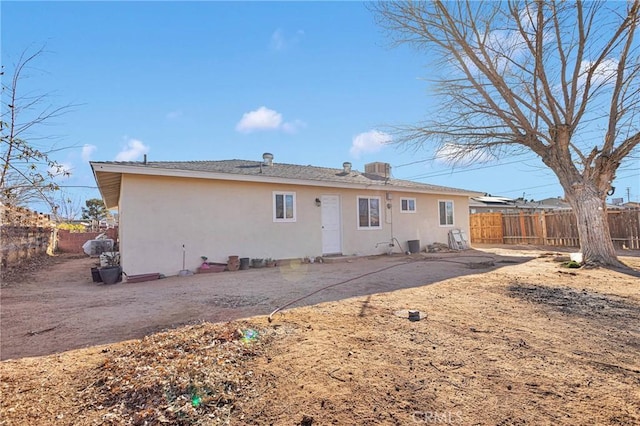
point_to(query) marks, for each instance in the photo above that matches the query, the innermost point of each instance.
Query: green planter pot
(257, 263)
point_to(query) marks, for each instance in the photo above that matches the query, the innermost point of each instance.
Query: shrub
(72, 227)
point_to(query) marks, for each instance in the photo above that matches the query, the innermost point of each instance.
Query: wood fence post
(523, 228)
(635, 244)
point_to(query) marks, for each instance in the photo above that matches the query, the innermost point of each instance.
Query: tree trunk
(593, 227)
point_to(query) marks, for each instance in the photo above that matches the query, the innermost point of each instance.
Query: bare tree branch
(27, 169)
(536, 75)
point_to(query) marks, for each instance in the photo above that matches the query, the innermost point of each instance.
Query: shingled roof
(257, 171)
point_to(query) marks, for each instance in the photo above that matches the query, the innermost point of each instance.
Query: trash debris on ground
(176, 377)
(439, 248)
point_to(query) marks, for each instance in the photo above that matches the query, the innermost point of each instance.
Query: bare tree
(66, 208)
(27, 171)
(560, 79)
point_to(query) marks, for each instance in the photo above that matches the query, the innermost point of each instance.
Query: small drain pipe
(398, 242)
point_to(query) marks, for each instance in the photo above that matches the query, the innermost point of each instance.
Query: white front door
(331, 229)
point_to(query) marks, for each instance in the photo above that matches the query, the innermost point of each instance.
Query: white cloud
(264, 118)
(173, 115)
(134, 150)
(277, 40)
(294, 126)
(62, 170)
(503, 48)
(261, 119)
(605, 72)
(452, 153)
(369, 142)
(280, 41)
(87, 152)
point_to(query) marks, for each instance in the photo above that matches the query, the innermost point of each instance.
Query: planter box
(212, 268)
(142, 277)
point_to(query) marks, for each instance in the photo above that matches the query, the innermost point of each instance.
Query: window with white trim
(284, 206)
(445, 209)
(407, 205)
(369, 213)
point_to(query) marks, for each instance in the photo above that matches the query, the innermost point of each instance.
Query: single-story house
(264, 209)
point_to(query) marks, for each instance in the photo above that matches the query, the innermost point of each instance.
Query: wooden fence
(23, 234)
(550, 228)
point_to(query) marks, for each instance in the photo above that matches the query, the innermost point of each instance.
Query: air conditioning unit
(378, 168)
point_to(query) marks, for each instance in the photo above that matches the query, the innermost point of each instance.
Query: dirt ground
(524, 341)
(59, 307)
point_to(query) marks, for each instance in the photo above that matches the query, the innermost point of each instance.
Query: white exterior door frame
(331, 224)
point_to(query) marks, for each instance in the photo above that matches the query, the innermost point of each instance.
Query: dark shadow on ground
(75, 312)
(629, 270)
(583, 303)
(605, 312)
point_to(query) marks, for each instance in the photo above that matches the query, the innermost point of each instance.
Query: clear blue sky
(312, 83)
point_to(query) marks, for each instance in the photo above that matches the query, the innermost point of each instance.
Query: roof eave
(109, 183)
(120, 169)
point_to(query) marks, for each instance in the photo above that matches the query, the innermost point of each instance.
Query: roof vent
(346, 166)
(268, 158)
(380, 169)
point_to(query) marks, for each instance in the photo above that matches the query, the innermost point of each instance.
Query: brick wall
(23, 234)
(71, 242)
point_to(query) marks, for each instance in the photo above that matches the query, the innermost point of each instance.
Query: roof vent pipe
(346, 166)
(268, 158)
(144, 161)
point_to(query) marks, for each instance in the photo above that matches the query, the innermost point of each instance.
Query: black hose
(329, 286)
(362, 276)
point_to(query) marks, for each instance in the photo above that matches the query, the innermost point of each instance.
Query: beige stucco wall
(222, 218)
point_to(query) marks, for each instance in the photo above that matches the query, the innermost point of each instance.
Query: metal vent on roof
(267, 158)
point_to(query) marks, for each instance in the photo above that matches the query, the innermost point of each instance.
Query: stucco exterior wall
(218, 219)
(422, 225)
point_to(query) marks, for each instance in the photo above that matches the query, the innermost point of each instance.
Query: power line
(429, 175)
(461, 170)
(543, 186)
(523, 189)
(436, 174)
(415, 162)
(440, 157)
